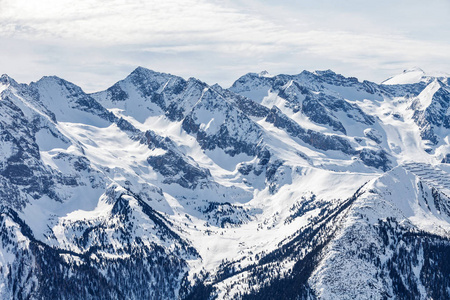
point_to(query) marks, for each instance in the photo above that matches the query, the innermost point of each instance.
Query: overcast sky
(94, 43)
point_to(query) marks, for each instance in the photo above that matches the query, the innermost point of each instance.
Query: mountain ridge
(166, 188)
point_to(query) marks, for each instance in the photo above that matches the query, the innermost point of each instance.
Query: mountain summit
(306, 186)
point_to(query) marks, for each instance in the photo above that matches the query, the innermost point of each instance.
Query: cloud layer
(95, 43)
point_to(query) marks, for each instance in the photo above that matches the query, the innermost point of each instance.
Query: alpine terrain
(307, 186)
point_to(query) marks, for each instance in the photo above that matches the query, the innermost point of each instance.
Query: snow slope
(283, 186)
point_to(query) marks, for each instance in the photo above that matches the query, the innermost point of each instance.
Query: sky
(95, 43)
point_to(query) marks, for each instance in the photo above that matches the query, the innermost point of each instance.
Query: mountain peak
(51, 82)
(5, 79)
(52, 79)
(149, 72)
(264, 74)
(414, 69)
(324, 72)
(143, 71)
(408, 76)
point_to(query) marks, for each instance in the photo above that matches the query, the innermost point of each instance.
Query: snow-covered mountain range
(307, 186)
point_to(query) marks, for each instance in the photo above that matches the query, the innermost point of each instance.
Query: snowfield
(307, 186)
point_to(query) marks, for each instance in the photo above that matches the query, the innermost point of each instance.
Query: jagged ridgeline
(307, 186)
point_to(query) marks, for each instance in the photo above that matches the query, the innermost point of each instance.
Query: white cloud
(94, 43)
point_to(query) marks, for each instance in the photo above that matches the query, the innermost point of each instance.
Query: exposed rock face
(307, 186)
